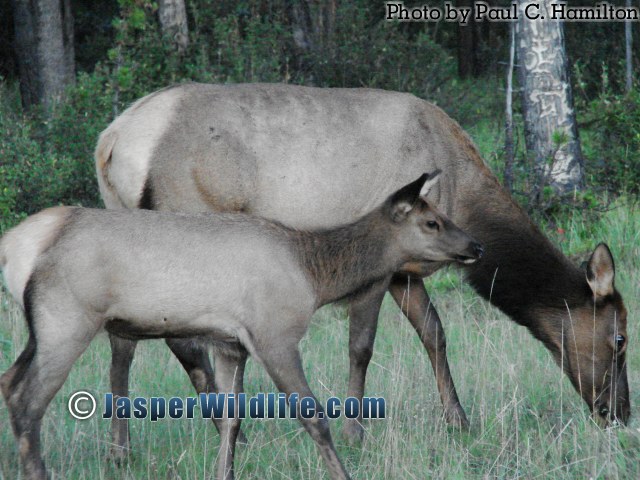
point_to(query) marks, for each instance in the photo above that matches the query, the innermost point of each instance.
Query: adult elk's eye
(620, 341)
(433, 225)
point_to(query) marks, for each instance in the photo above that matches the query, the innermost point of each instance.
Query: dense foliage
(614, 156)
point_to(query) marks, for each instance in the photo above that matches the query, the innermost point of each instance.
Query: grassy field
(526, 419)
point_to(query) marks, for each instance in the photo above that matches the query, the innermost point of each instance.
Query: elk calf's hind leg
(15, 385)
(38, 374)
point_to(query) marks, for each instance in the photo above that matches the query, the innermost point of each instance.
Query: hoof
(119, 455)
(353, 432)
(457, 419)
(35, 470)
(242, 438)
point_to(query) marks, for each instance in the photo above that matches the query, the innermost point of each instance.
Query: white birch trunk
(173, 22)
(547, 100)
(628, 51)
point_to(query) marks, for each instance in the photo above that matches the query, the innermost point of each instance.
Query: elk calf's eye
(604, 411)
(620, 342)
(432, 225)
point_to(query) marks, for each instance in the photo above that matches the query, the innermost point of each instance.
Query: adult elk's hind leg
(410, 294)
(363, 322)
(230, 366)
(194, 358)
(122, 351)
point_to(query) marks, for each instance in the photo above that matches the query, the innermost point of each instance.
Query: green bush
(46, 157)
(613, 155)
(32, 176)
(366, 51)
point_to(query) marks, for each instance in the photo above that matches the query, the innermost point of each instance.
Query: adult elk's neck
(521, 272)
(345, 260)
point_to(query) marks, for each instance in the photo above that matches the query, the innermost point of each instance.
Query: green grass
(526, 419)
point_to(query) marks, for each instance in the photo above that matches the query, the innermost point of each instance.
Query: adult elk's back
(312, 157)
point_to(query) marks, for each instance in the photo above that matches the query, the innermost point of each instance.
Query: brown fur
(529, 279)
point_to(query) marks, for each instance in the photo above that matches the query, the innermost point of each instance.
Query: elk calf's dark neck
(343, 260)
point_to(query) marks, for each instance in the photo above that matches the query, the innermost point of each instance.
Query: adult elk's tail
(102, 156)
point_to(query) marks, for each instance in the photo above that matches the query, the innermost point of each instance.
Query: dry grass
(527, 421)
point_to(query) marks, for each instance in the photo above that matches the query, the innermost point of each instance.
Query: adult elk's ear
(601, 271)
(403, 201)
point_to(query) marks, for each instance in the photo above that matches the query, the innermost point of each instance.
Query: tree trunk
(173, 22)
(467, 44)
(509, 151)
(313, 24)
(629, 52)
(550, 125)
(302, 25)
(44, 49)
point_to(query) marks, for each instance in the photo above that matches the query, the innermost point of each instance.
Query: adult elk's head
(593, 342)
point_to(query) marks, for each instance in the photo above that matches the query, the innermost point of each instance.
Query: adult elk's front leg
(410, 294)
(363, 322)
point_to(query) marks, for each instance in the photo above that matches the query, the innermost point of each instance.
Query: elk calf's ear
(430, 181)
(403, 201)
(601, 271)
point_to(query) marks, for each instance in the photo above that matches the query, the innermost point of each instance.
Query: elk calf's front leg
(285, 368)
(363, 323)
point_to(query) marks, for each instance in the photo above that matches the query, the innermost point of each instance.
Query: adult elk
(244, 283)
(312, 157)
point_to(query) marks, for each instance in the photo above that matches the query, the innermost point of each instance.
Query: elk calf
(246, 282)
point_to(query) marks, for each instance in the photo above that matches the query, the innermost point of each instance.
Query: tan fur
(103, 161)
(21, 246)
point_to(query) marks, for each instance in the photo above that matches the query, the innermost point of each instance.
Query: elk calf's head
(593, 341)
(424, 233)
